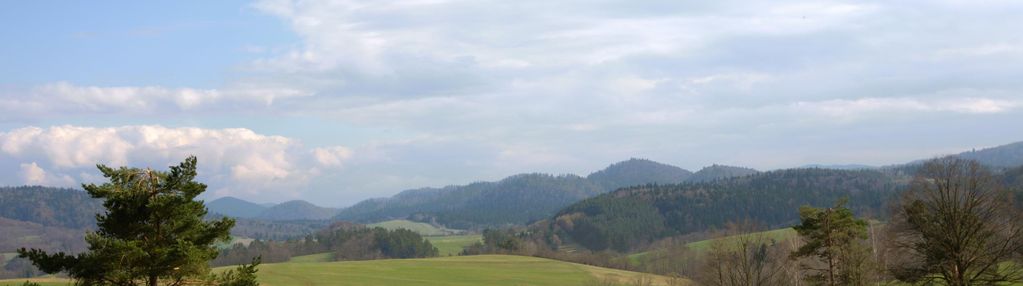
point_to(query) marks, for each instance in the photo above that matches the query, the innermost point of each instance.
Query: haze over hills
(297, 210)
(235, 207)
(522, 198)
(1009, 155)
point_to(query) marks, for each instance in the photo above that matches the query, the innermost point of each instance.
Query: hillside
(717, 172)
(514, 200)
(49, 206)
(235, 207)
(1009, 155)
(518, 199)
(296, 210)
(633, 216)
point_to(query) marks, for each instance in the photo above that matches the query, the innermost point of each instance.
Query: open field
(461, 270)
(319, 257)
(421, 228)
(452, 245)
(775, 234)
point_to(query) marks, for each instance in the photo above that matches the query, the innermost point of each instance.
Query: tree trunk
(152, 280)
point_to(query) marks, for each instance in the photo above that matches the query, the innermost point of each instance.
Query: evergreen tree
(152, 231)
(834, 237)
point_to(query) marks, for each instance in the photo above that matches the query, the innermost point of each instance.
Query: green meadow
(452, 245)
(496, 270)
(421, 228)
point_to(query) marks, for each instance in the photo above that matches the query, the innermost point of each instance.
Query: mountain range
(522, 198)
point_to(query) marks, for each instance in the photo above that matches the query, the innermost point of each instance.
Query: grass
(418, 227)
(234, 240)
(453, 244)
(703, 245)
(494, 270)
(460, 270)
(776, 235)
(319, 257)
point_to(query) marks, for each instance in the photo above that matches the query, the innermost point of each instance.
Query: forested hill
(235, 207)
(716, 172)
(46, 206)
(632, 216)
(297, 210)
(517, 199)
(638, 172)
(1009, 155)
(514, 200)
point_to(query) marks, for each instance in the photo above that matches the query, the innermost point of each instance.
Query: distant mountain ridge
(638, 172)
(235, 207)
(1006, 156)
(522, 198)
(286, 211)
(297, 210)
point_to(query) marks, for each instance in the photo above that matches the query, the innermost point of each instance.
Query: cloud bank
(234, 161)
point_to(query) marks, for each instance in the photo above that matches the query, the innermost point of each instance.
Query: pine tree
(833, 236)
(153, 231)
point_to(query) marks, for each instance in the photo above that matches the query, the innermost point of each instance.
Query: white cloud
(333, 156)
(64, 98)
(32, 174)
(235, 160)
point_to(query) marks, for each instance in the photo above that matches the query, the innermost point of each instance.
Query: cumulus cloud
(235, 161)
(32, 174)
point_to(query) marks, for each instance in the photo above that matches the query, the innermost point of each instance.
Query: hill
(1009, 155)
(49, 206)
(514, 200)
(638, 172)
(296, 210)
(630, 217)
(235, 207)
(717, 172)
(518, 199)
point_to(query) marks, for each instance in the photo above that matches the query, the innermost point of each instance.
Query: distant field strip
(452, 245)
(418, 227)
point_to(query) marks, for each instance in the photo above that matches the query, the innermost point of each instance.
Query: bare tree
(741, 257)
(956, 225)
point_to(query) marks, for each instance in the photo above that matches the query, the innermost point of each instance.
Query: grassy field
(418, 227)
(453, 244)
(235, 240)
(494, 270)
(319, 257)
(460, 270)
(776, 234)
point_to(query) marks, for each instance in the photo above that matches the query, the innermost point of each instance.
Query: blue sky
(337, 101)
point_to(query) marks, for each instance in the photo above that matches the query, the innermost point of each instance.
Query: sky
(339, 101)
